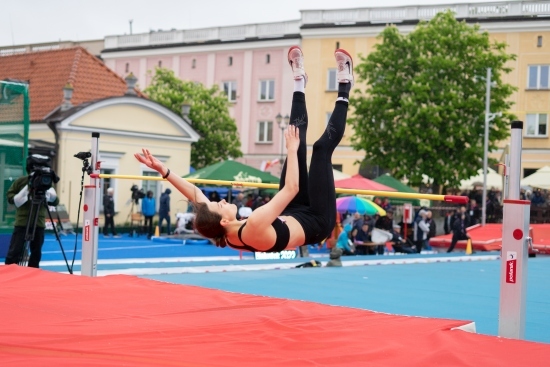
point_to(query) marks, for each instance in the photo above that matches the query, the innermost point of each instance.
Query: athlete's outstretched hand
(292, 137)
(150, 161)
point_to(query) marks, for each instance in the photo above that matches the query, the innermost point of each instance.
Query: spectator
(239, 202)
(164, 210)
(344, 240)
(386, 223)
(356, 224)
(448, 221)
(537, 199)
(362, 236)
(386, 204)
(474, 212)
(148, 209)
(421, 230)
(109, 212)
(433, 229)
(214, 196)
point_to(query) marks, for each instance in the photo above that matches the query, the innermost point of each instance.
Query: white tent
(540, 179)
(494, 179)
(339, 175)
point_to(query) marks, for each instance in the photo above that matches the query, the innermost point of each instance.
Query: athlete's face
(223, 208)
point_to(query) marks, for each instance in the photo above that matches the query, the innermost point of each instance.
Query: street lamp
(488, 118)
(283, 123)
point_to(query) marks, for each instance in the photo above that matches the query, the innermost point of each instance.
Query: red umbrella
(361, 183)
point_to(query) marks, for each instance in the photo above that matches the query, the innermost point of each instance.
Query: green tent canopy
(233, 171)
(390, 181)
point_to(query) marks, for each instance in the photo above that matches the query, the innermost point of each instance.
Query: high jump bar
(237, 184)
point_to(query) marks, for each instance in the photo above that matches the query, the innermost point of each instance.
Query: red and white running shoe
(344, 62)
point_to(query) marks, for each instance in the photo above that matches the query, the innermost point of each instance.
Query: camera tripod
(36, 203)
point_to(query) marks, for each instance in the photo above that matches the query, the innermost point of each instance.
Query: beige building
(523, 25)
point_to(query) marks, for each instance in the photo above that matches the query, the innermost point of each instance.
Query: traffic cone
(469, 246)
(157, 232)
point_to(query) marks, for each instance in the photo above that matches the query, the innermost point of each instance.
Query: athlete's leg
(298, 117)
(321, 188)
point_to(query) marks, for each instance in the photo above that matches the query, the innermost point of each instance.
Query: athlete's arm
(191, 192)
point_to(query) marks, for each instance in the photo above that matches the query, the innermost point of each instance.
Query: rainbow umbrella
(354, 204)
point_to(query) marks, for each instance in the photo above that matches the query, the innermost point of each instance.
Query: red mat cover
(51, 319)
(484, 238)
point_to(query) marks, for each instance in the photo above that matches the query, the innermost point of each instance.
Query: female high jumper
(304, 210)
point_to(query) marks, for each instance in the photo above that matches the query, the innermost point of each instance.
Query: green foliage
(209, 114)
(423, 108)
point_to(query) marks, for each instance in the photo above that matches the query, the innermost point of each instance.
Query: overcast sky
(36, 21)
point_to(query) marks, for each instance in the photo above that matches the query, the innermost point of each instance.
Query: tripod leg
(30, 231)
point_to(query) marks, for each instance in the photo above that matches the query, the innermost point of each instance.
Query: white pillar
(90, 227)
(515, 247)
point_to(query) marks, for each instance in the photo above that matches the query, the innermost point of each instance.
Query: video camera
(137, 193)
(41, 176)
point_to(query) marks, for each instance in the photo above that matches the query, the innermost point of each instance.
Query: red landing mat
(51, 319)
(486, 238)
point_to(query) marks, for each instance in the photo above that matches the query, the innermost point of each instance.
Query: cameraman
(19, 195)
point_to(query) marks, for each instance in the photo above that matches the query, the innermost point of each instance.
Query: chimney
(67, 96)
(185, 108)
(131, 81)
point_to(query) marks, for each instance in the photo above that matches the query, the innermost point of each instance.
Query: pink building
(249, 62)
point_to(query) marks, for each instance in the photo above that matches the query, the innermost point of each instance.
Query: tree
(209, 113)
(423, 108)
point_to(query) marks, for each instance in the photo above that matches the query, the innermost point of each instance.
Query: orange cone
(469, 246)
(157, 232)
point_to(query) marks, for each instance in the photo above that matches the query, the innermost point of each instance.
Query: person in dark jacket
(18, 194)
(164, 210)
(459, 230)
(148, 209)
(109, 212)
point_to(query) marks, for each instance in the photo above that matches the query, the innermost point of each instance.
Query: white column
(515, 248)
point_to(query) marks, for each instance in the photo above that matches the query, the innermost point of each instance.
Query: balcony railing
(242, 32)
(407, 13)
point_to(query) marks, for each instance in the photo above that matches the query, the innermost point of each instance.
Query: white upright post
(515, 247)
(90, 228)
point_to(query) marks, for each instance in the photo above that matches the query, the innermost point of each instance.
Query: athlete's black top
(281, 231)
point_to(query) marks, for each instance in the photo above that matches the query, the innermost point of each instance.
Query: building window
(160, 63)
(267, 58)
(193, 64)
(539, 41)
(230, 90)
(230, 60)
(267, 90)
(127, 68)
(538, 77)
(332, 85)
(537, 124)
(265, 132)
